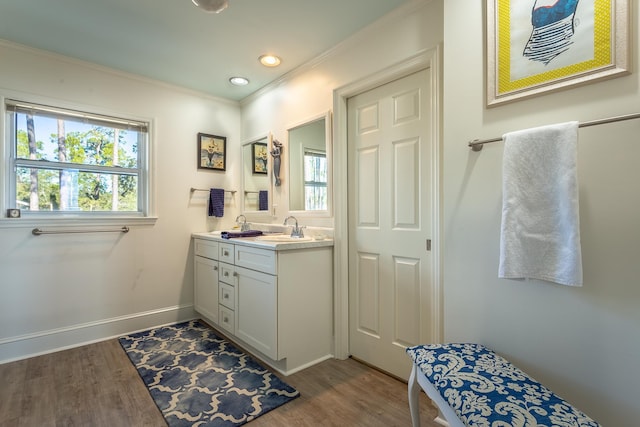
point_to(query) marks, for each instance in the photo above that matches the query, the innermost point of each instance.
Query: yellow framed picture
(537, 46)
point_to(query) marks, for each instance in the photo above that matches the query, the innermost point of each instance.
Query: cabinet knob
(226, 296)
(226, 274)
(226, 320)
(226, 253)
(215, 268)
(235, 274)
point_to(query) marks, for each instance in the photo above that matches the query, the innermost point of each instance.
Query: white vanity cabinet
(275, 300)
(205, 298)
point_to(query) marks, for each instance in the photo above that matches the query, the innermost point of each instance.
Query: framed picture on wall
(212, 152)
(259, 156)
(537, 46)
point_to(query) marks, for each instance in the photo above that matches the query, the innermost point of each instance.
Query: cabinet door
(256, 315)
(205, 298)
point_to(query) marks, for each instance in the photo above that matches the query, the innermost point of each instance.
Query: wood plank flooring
(96, 385)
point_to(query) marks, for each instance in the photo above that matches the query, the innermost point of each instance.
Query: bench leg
(414, 395)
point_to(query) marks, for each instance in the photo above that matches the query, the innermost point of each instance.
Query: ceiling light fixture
(211, 6)
(269, 60)
(239, 81)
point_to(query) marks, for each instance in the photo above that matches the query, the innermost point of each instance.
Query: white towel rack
(39, 231)
(193, 190)
(477, 144)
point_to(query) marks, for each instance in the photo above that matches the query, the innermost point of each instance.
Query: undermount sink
(282, 238)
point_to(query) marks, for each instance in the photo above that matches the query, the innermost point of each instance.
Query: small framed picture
(212, 152)
(259, 155)
(540, 46)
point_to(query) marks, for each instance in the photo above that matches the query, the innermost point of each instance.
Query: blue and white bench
(473, 386)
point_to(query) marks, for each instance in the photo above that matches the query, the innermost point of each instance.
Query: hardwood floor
(96, 385)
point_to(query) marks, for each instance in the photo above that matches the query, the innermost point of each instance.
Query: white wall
(584, 343)
(307, 93)
(62, 290)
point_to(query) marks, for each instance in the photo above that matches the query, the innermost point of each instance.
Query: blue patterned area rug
(199, 379)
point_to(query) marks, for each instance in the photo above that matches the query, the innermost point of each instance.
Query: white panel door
(390, 220)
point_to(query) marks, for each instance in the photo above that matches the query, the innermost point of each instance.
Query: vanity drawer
(256, 259)
(227, 296)
(226, 253)
(227, 273)
(205, 248)
(227, 319)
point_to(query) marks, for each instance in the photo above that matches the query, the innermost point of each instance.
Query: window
(63, 161)
(315, 180)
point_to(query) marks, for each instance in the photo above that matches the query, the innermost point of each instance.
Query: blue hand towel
(216, 202)
(232, 234)
(263, 200)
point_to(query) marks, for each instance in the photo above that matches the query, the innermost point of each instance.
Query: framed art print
(212, 152)
(259, 157)
(537, 46)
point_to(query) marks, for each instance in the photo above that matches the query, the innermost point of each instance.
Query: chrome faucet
(296, 231)
(243, 225)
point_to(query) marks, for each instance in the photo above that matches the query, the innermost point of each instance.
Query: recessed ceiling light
(269, 60)
(239, 81)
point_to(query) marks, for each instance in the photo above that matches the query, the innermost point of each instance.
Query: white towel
(540, 233)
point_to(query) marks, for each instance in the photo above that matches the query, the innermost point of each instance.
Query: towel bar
(477, 144)
(39, 231)
(193, 190)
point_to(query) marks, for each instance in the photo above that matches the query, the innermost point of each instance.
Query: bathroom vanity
(272, 297)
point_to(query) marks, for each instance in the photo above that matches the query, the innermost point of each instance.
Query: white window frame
(146, 203)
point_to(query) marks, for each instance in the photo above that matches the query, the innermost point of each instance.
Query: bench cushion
(486, 390)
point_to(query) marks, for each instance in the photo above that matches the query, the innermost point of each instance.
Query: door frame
(425, 59)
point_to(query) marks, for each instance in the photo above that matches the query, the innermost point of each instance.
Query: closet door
(390, 220)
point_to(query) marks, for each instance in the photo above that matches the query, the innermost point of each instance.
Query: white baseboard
(307, 365)
(52, 340)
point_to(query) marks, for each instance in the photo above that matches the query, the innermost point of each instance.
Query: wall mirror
(256, 175)
(309, 146)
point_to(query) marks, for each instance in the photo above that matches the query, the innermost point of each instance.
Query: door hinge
(428, 244)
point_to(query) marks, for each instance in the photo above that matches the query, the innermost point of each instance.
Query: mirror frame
(328, 136)
(269, 137)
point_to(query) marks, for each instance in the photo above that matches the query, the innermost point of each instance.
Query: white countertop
(265, 244)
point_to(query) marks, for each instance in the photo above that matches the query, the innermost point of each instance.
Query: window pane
(315, 198)
(315, 181)
(68, 140)
(73, 191)
(315, 168)
(72, 161)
